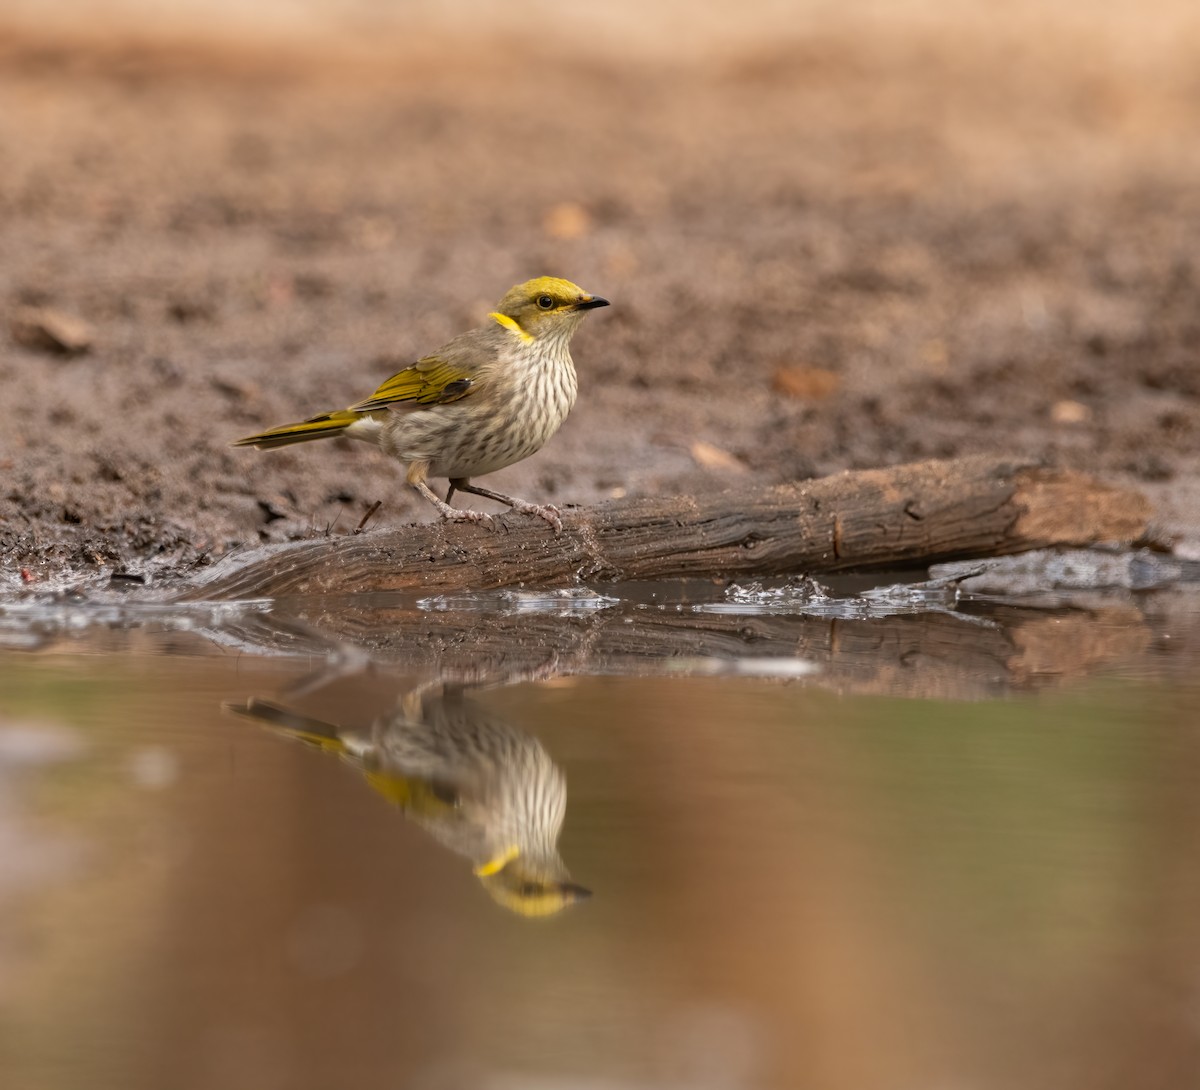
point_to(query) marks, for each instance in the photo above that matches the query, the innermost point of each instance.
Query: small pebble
(1070, 412)
(48, 330)
(805, 383)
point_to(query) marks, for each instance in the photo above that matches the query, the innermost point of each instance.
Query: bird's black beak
(592, 303)
(575, 893)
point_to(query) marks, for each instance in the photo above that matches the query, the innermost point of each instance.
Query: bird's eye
(545, 302)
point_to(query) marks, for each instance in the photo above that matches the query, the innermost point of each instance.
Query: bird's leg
(450, 492)
(542, 510)
(454, 514)
(416, 477)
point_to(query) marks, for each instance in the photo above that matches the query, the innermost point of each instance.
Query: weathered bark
(906, 515)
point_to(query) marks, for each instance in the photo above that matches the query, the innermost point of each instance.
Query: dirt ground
(834, 249)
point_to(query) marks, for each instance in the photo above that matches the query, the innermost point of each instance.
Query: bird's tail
(423, 797)
(325, 426)
(304, 728)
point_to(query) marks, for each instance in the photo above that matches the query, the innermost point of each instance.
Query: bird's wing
(430, 381)
(450, 373)
(422, 797)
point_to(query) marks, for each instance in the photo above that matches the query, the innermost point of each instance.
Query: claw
(480, 518)
(545, 511)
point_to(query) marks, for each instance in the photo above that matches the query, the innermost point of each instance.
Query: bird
(479, 786)
(488, 398)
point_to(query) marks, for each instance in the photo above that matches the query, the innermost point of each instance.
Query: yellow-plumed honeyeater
(490, 397)
(476, 784)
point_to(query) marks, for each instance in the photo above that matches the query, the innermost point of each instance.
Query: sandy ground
(827, 246)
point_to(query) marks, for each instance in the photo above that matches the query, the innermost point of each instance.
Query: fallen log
(866, 519)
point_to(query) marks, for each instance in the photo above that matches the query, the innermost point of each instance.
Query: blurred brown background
(834, 235)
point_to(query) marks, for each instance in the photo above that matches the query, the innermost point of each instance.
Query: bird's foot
(452, 514)
(543, 511)
(480, 518)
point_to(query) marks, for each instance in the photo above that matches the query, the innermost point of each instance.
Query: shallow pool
(913, 849)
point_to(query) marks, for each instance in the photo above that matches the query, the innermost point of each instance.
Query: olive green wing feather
(454, 371)
(430, 381)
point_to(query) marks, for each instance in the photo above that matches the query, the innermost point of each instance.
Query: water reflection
(478, 785)
(993, 895)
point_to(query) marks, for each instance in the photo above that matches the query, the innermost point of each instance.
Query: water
(923, 849)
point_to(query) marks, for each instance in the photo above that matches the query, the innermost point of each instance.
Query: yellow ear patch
(511, 325)
(499, 862)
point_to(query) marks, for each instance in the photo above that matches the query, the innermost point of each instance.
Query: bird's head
(532, 887)
(545, 306)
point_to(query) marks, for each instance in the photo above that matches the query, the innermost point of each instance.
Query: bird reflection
(476, 784)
